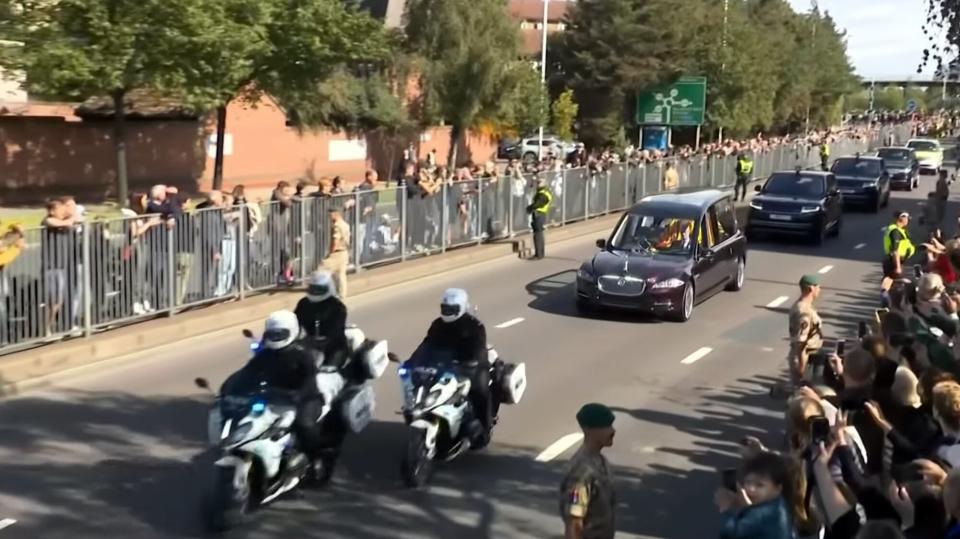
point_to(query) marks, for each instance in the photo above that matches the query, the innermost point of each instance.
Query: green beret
(810, 280)
(594, 416)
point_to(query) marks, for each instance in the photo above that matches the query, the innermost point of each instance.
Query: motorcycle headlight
(756, 205)
(585, 274)
(670, 283)
(431, 398)
(238, 434)
(809, 209)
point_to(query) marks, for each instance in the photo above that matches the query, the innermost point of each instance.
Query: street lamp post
(543, 69)
(723, 51)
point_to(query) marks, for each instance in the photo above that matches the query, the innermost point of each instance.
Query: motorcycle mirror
(201, 383)
(247, 333)
(393, 357)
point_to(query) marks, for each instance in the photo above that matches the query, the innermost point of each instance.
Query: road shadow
(96, 464)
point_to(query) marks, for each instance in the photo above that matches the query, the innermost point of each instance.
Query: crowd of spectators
(871, 446)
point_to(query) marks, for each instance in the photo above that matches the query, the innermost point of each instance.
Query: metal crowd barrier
(110, 272)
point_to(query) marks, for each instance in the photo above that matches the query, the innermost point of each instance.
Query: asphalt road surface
(122, 453)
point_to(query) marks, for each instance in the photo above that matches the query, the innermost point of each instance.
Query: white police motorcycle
(438, 412)
(251, 424)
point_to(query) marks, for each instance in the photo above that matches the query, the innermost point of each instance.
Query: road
(121, 453)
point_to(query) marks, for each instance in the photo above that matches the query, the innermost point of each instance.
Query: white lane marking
(696, 356)
(825, 269)
(860, 246)
(557, 448)
(509, 323)
(7, 522)
(767, 349)
(778, 302)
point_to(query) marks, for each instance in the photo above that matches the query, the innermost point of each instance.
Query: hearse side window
(726, 219)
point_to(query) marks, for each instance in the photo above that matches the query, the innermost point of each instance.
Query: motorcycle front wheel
(416, 466)
(230, 504)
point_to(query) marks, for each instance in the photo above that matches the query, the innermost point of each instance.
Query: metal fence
(76, 280)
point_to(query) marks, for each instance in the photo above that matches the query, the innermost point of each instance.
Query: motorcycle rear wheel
(416, 466)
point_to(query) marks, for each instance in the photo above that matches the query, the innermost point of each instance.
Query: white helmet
(321, 286)
(454, 304)
(280, 330)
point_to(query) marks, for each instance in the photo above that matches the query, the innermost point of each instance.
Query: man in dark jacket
(462, 334)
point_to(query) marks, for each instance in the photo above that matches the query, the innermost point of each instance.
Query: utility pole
(543, 69)
(723, 51)
(814, 15)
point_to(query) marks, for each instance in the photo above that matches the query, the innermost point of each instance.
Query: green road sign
(680, 103)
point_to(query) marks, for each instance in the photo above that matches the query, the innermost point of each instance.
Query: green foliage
(564, 114)
(612, 48)
(350, 103)
(524, 106)
(766, 68)
(889, 98)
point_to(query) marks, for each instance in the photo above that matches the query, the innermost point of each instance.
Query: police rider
(284, 363)
(463, 334)
(324, 318)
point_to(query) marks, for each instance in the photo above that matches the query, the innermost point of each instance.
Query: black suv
(902, 165)
(800, 203)
(863, 181)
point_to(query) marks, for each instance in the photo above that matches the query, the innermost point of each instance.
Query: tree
(294, 51)
(613, 49)
(467, 49)
(81, 48)
(942, 28)
(889, 98)
(564, 114)
(525, 104)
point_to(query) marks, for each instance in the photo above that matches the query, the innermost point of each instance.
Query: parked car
(665, 254)
(929, 153)
(799, 203)
(902, 165)
(530, 147)
(863, 181)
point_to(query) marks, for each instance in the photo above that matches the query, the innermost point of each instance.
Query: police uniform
(339, 257)
(806, 336)
(896, 240)
(744, 170)
(587, 492)
(824, 155)
(539, 210)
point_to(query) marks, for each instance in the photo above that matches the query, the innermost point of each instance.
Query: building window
(561, 26)
(524, 25)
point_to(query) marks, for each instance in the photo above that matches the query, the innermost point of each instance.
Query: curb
(42, 366)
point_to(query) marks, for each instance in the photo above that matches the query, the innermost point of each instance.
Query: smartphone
(861, 330)
(728, 479)
(881, 314)
(819, 430)
(917, 271)
(841, 347)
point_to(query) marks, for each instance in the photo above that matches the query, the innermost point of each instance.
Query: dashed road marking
(767, 349)
(825, 269)
(777, 302)
(509, 323)
(860, 246)
(557, 448)
(7, 522)
(696, 356)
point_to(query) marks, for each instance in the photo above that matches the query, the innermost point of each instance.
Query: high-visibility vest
(746, 166)
(905, 248)
(824, 150)
(546, 207)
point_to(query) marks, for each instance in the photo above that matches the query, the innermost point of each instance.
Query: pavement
(121, 452)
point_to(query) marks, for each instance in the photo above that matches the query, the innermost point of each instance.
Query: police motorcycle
(251, 424)
(437, 410)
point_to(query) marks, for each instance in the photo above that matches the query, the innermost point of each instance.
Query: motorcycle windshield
(428, 363)
(245, 387)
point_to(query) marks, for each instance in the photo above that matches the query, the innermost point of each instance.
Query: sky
(884, 37)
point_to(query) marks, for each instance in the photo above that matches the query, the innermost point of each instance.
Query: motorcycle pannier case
(374, 357)
(513, 383)
(357, 405)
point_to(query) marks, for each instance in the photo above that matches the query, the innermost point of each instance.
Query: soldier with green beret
(587, 498)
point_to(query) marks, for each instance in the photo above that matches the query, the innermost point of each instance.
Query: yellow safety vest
(824, 150)
(746, 166)
(905, 248)
(546, 207)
